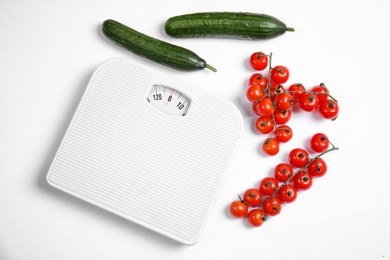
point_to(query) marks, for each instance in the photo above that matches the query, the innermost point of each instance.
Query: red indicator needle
(170, 97)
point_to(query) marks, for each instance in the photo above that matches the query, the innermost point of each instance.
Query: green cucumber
(153, 49)
(236, 25)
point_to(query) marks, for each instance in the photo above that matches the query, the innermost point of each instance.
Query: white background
(48, 51)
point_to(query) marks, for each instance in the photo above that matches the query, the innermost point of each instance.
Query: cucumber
(236, 25)
(153, 49)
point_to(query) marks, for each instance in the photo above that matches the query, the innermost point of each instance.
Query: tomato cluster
(272, 101)
(258, 204)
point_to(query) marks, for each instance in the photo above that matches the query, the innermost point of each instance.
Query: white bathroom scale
(148, 147)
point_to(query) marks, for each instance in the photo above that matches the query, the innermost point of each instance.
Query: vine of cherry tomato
(289, 178)
(272, 100)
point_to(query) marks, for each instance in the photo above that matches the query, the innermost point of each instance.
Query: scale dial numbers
(168, 100)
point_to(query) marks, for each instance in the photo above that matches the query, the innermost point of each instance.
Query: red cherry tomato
(238, 209)
(287, 193)
(254, 93)
(258, 79)
(283, 172)
(329, 109)
(271, 146)
(317, 167)
(281, 117)
(319, 142)
(253, 197)
(268, 185)
(273, 206)
(296, 90)
(283, 133)
(298, 157)
(258, 61)
(308, 102)
(275, 90)
(319, 89)
(265, 125)
(303, 180)
(283, 101)
(264, 107)
(256, 217)
(279, 74)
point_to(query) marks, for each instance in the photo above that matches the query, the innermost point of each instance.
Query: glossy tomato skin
(275, 90)
(283, 171)
(319, 142)
(282, 117)
(258, 61)
(268, 185)
(265, 125)
(238, 209)
(258, 79)
(256, 217)
(329, 109)
(279, 74)
(287, 193)
(283, 101)
(303, 180)
(271, 146)
(264, 107)
(317, 167)
(273, 206)
(253, 197)
(298, 157)
(254, 93)
(308, 102)
(296, 90)
(283, 133)
(321, 92)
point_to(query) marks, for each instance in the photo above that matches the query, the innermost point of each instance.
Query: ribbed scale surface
(162, 172)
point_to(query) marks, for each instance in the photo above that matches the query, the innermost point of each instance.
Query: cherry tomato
(273, 206)
(283, 172)
(283, 133)
(258, 79)
(329, 109)
(265, 125)
(279, 74)
(268, 185)
(283, 101)
(321, 89)
(238, 209)
(271, 146)
(319, 142)
(258, 61)
(298, 157)
(281, 117)
(256, 217)
(264, 107)
(317, 167)
(275, 90)
(303, 180)
(296, 90)
(254, 93)
(253, 197)
(308, 102)
(287, 193)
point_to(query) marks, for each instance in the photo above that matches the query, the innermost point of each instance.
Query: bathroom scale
(148, 147)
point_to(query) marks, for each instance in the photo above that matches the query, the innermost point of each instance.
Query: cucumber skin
(153, 49)
(235, 25)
